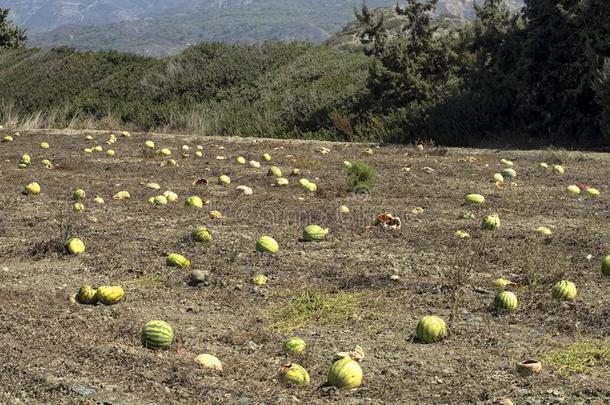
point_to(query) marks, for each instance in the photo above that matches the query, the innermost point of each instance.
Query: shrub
(361, 178)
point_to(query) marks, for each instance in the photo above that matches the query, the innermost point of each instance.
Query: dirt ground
(53, 351)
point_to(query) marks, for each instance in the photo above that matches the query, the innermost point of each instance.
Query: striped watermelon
(267, 244)
(157, 335)
(177, 260)
(294, 374)
(431, 329)
(491, 222)
(274, 171)
(474, 199)
(159, 200)
(224, 180)
(110, 295)
(201, 234)
(564, 290)
(79, 194)
(506, 300)
(345, 373)
(314, 233)
(32, 188)
(194, 201)
(86, 295)
(294, 346)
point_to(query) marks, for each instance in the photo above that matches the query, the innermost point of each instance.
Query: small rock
(245, 190)
(252, 346)
(200, 276)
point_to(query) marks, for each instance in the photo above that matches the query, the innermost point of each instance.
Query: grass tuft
(585, 356)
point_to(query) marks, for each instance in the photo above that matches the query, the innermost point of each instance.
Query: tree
(11, 36)
(541, 72)
(560, 102)
(493, 79)
(594, 16)
(413, 67)
(535, 71)
(372, 34)
(602, 91)
(595, 35)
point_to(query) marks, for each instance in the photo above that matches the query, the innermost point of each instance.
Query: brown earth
(382, 282)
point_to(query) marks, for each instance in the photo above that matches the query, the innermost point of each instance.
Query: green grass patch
(585, 356)
(313, 306)
(149, 281)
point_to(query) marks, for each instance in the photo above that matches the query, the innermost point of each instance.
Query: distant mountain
(232, 21)
(157, 27)
(45, 15)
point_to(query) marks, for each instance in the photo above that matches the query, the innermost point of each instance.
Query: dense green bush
(361, 178)
(273, 89)
(296, 99)
(77, 83)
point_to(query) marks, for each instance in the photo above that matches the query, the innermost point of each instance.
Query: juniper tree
(413, 67)
(372, 34)
(558, 72)
(11, 36)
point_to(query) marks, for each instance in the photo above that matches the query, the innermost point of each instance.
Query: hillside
(153, 28)
(274, 90)
(43, 15)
